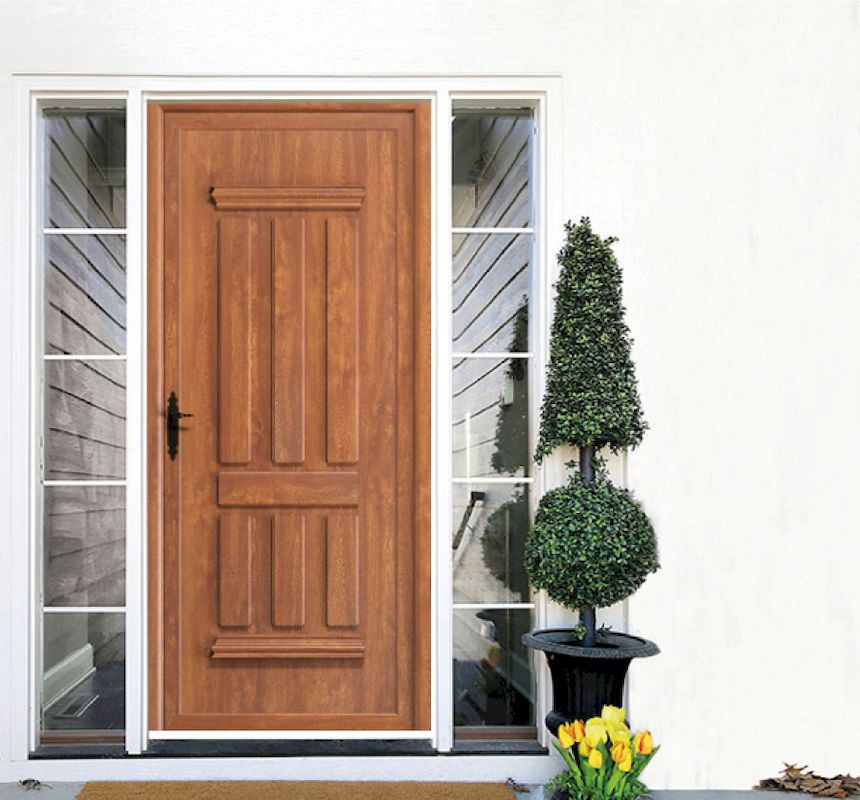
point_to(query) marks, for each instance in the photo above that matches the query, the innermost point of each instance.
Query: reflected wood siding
(490, 279)
(85, 313)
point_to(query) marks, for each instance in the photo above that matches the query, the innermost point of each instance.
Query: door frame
(542, 91)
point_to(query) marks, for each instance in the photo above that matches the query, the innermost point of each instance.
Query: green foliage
(590, 545)
(567, 783)
(591, 393)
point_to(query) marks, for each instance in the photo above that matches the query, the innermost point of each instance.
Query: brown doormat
(292, 790)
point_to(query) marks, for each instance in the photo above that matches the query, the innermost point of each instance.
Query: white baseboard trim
(65, 675)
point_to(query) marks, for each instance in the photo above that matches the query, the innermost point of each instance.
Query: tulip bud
(595, 759)
(612, 715)
(618, 731)
(619, 751)
(595, 731)
(566, 735)
(643, 743)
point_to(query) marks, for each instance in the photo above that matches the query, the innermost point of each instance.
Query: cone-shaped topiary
(591, 395)
(591, 545)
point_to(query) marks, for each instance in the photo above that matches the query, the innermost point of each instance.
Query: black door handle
(173, 417)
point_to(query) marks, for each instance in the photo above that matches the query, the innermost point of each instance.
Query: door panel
(289, 311)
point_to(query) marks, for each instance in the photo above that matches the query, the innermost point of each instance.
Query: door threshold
(285, 735)
(243, 748)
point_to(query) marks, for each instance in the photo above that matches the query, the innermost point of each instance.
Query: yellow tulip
(566, 735)
(578, 730)
(627, 763)
(612, 715)
(618, 731)
(643, 743)
(595, 731)
(595, 759)
(584, 748)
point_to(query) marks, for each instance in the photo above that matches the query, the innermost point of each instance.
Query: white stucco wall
(721, 142)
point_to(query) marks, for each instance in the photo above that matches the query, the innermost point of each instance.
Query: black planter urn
(584, 679)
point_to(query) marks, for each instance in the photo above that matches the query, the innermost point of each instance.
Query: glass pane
(84, 420)
(84, 546)
(492, 278)
(85, 310)
(491, 416)
(83, 684)
(85, 169)
(491, 170)
(490, 525)
(493, 682)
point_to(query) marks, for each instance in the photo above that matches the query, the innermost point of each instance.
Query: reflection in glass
(492, 277)
(84, 546)
(493, 682)
(85, 168)
(491, 169)
(490, 426)
(84, 420)
(490, 524)
(85, 303)
(83, 683)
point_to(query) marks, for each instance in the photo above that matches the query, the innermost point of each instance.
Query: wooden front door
(289, 310)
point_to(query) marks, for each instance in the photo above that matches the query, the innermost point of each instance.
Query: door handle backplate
(174, 415)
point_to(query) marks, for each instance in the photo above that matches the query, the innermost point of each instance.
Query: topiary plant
(591, 395)
(591, 545)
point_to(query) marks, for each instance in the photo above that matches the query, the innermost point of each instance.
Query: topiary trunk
(587, 615)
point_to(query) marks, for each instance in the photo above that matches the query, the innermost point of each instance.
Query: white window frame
(25, 364)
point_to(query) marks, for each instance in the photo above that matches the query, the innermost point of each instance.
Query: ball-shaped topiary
(591, 393)
(590, 546)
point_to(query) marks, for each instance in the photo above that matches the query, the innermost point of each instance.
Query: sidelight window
(492, 273)
(83, 432)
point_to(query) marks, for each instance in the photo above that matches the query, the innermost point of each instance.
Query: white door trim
(19, 673)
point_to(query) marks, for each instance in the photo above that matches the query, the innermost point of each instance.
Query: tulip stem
(587, 615)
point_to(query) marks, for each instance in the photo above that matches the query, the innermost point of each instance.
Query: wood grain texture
(288, 571)
(290, 647)
(235, 258)
(342, 570)
(288, 489)
(288, 198)
(341, 341)
(419, 351)
(288, 340)
(366, 610)
(234, 570)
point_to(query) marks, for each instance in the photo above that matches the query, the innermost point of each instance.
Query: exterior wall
(719, 141)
